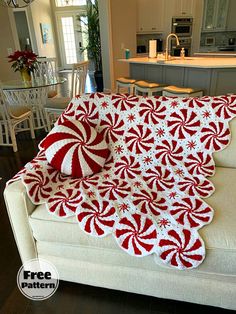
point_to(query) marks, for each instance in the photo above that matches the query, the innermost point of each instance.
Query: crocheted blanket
(149, 196)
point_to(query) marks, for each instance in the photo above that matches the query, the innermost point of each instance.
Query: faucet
(167, 56)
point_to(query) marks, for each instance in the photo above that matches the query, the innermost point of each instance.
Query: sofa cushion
(226, 157)
(219, 236)
(17, 111)
(58, 102)
(75, 148)
(52, 93)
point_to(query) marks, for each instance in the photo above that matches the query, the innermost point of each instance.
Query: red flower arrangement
(23, 60)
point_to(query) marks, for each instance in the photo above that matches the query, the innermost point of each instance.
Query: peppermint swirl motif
(182, 249)
(184, 123)
(76, 149)
(139, 139)
(149, 202)
(87, 112)
(192, 213)
(169, 152)
(96, 218)
(38, 185)
(65, 203)
(152, 111)
(127, 167)
(136, 234)
(112, 127)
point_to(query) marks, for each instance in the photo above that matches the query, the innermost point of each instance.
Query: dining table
(32, 94)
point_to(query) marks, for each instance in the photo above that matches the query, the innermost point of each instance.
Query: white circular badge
(38, 279)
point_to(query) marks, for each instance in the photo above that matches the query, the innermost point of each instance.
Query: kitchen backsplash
(221, 39)
(143, 39)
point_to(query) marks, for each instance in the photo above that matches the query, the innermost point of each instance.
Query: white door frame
(30, 26)
(59, 15)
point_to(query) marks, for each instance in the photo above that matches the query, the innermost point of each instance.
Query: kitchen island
(215, 76)
(217, 54)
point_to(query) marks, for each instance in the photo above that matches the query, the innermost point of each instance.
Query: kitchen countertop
(216, 54)
(194, 62)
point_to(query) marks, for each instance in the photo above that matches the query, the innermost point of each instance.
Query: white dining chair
(33, 99)
(55, 106)
(79, 74)
(47, 69)
(12, 118)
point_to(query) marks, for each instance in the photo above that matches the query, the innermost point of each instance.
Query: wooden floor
(70, 297)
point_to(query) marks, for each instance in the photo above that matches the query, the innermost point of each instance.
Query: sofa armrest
(19, 208)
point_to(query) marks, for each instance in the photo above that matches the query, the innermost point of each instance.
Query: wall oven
(182, 26)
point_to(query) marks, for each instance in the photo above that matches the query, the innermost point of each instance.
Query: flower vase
(25, 75)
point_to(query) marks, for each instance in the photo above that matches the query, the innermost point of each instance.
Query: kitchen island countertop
(194, 62)
(223, 54)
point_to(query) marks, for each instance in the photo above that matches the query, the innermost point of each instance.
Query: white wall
(231, 21)
(106, 42)
(123, 23)
(41, 12)
(7, 41)
(118, 32)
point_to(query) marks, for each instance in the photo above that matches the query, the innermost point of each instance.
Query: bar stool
(181, 91)
(125, 82)
(147, 87)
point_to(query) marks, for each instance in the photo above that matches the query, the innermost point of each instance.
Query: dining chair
(33, 99)
(55, 106)
(11, 122)
(47, 68)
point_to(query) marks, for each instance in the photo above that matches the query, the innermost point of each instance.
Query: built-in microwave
(182, 26)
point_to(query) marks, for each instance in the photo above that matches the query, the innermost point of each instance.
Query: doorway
(23, 30)
(71, 38)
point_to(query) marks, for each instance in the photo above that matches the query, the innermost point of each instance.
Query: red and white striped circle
(97, 218)
(65, 203)
(75, 148)
(136, 234)
(182, 249)
(191, 213)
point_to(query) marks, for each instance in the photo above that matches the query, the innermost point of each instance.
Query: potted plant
(24, 62)
(90, 20)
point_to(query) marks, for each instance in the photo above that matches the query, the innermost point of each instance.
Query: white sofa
(100, 262)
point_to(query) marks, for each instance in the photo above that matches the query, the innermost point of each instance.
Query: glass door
(71, 39)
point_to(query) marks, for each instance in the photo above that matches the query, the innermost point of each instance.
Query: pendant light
(16, 3)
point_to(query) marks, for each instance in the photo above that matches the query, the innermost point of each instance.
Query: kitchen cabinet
(150, 16)
(183, 8)
(231, 20)
(156, 15)
(178, 8)
(215, 15)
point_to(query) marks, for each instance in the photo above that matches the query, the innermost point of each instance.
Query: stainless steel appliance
(184, 42)
(182, 26)
(229, 48)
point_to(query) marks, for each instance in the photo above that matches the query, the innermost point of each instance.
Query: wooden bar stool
(147, 87)
(125, 82)
(181, 91)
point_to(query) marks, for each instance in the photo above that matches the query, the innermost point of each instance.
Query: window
(64, 3)
(69, 39)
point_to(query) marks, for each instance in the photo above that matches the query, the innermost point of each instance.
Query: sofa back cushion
(227, 157)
